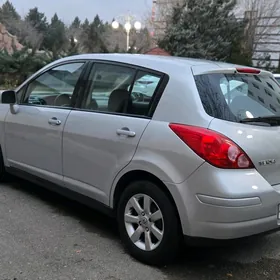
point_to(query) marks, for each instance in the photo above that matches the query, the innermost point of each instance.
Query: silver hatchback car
(197, 155)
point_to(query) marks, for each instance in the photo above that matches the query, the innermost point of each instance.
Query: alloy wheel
(144, 222)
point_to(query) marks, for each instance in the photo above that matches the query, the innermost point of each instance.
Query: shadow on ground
(90, 219)
(245, 259)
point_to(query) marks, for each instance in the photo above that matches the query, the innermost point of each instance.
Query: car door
(33, 132)
(101, 137)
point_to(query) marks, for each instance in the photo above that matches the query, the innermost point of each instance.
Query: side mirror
(8, 97)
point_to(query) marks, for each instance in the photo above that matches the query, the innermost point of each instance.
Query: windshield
(234, 97)
(277, 79)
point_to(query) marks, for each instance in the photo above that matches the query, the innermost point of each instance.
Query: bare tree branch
(27, 34)
(263, 20)
(162, 11)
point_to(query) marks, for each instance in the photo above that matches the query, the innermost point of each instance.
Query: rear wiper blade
(271, 120)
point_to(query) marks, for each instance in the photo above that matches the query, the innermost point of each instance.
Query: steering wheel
(42, 101)
(62, 100)
(38, 101)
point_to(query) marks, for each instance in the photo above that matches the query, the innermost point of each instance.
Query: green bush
(16, 67)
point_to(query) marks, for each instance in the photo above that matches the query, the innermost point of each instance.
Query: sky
(68, 9)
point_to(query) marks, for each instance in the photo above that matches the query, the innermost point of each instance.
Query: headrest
(117, 100)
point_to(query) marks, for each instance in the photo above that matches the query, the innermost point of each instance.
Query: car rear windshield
(234, 97)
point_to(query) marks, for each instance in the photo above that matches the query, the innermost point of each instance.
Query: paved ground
(44, 236)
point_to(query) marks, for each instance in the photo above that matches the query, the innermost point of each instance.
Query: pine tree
(9, 17)
(8, 12)
(56, 39)
(76, 23)
(37, 20)
(202, 29)
(20, 64)
(85, 24)
(97, 21)
(93, 36)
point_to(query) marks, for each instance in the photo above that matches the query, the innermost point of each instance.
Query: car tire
(163, 236)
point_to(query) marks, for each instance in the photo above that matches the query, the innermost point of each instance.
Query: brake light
(213, 147)
(248, 70)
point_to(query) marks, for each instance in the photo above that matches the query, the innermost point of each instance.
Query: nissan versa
(193, 153)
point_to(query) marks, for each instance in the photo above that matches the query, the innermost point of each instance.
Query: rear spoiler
(231, 70)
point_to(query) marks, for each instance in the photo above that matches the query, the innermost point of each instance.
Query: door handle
(54, 121)
(125, 131)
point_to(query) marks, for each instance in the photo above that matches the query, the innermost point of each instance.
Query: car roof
(140, 58)
(167, 64)
(276, 75)
(170, 65)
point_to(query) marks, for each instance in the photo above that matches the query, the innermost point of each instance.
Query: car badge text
(267, 162)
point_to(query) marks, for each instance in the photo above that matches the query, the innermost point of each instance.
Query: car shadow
(224, 263)
(239, 258)
(92, 220)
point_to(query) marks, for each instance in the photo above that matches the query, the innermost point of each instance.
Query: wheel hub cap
(144, 222)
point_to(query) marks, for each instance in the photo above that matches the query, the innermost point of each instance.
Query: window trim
(158, 94)
(164, 79)
(23, 93)
(76, 91)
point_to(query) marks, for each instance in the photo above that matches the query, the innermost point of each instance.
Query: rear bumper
(226, 204)
(235, 230)
(210, 242)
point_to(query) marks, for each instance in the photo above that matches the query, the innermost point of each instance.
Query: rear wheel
(148, 223)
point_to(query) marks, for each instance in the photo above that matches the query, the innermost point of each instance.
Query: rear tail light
(248, 70)
(213, 147)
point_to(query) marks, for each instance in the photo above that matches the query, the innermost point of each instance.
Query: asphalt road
(45, 236)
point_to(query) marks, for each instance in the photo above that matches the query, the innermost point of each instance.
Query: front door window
(55, 87)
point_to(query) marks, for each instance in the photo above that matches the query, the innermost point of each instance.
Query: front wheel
(148, 223)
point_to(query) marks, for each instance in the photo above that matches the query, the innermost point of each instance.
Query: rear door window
(121, 89)
(234, 97)
(109, 88)
(142, 92)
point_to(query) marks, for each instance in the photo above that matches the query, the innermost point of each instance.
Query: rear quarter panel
(163, 154)
(180, 101)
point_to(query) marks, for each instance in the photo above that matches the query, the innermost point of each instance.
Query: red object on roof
(157, 51)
